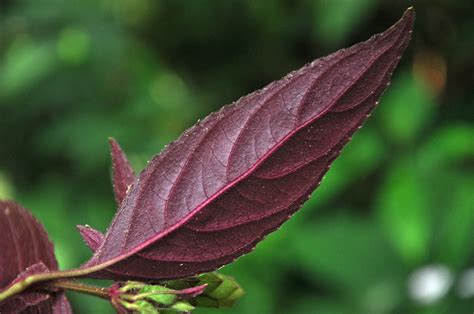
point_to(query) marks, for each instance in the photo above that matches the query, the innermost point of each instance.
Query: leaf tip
(123, 174)
(409, 15)
(91, 237)
(112, 141)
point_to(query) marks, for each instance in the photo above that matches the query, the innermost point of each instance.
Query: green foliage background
(399, 198)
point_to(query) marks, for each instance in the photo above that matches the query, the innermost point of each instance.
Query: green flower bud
(221, 291)
(159, 294)
(182, 306)
(143, 307)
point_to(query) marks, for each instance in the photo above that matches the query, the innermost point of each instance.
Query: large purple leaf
(25, 250)
(231, 179)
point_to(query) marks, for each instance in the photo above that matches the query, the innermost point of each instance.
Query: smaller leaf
(123, 174)
(26, 250)
(123, 178)
(24, 243)
(27, 298)
(92, 237)
(61, 305)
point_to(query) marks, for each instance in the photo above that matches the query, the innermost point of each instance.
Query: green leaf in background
(362, 156)
(335, 19)
(25, 64)
(50, 211)
(448, 145)
(73, 45)
(405, 109)
(444, 162)
(318, 306)
(6, 190)
(350, 257)
(403, 209)
(453, 241)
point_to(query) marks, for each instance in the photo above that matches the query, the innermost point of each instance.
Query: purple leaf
(92, 237)
(231, 179)
(23, 243)
(123, 175)
(61, 305)
(37, 302)
(27, 299)
(123, 178)
(25, 250)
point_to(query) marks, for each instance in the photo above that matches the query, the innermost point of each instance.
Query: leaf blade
(122, 172)
(24, 243)
(240, 173)
(26, 250)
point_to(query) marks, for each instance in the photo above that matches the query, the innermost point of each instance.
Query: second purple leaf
(26, 250)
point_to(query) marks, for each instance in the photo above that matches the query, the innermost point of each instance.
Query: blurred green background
(390, 230)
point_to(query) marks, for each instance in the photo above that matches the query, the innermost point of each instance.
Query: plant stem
(28, 281)
(80, 287)
(54, 275)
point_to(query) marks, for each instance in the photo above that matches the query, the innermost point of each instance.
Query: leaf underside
(26, 250)
(236, 176)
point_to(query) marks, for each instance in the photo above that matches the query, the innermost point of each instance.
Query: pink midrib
(249, 171)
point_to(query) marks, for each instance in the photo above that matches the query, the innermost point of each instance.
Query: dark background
(390, 230)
